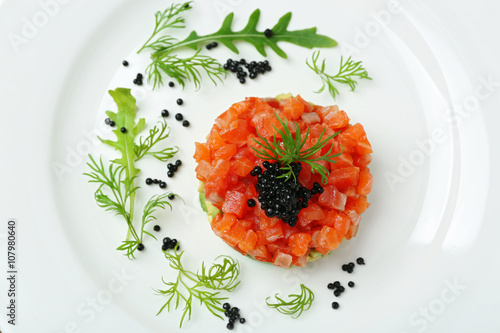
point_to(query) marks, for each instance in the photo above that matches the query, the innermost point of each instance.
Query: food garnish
(296, 303)
(289, 149)
(204, 286)
(190, 68)
(348, 71)
(117, 189)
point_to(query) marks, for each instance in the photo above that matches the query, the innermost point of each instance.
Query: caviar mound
(226, 160)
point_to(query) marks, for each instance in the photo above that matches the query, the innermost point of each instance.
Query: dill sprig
(296, 303)
(169, 18)
(290, 149)
(189, 286)
(185, 69)
(348, 71)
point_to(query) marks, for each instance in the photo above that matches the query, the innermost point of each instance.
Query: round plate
(429, 237)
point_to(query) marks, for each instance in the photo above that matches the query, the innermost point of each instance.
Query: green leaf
(125, 118)
(226, 36)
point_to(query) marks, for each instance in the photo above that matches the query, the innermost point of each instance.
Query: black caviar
(138, 79)
(360, 261)
(185, 123)
(254, 68)
(125, 63)
(233, 314)
(156, 228)
(140, 247)
(278, 197)
(268, 33)
(123, 130)
(350, 284)
(171, 196)
(251, 203)
(171, 84)
(180, 101)
(179, 116)
(163, 185)
(169, 244)
(335, 305)
(164, 113)
(149, 181)
(212, 45)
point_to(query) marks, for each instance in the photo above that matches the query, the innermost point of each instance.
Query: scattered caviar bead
(336, 284)
(156, 228)
(123, 130)
(351, 284)
(242, 80)
(331, 286)
(242, 320)
(170, 166)
(337, 293)
(125, 63)
(226, 306)
(170, 174)
(173, 242)
(268, 33)
(149, 181)
(251, 203)
(360, 261)
(163, 185)
(171, 84)
(351, 264)
(164, 247)
(345, 267)
(179, 116)
(235, 310)
(341, 289)
(230, 326)
(112, 123)
(231, 320)
(166, 240)
(178, 162)
(107, 121)
(140, 247)
(335, 305)
(171, 196)
(185, 123)
(180, 101)
(226, 313)
(174, 168)
(156, 181)
(164, 113)
(350, 270)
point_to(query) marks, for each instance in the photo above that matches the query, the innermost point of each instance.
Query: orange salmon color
(225, 160)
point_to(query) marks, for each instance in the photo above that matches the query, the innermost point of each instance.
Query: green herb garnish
(289, 149)
(163, 61)
(348, 71)
(189, 286)
(117, 189)
(296, 303)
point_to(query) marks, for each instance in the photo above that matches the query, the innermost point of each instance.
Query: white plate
(429, 238)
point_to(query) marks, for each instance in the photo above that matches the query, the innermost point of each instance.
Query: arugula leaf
(306, 38)
(125, 118)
